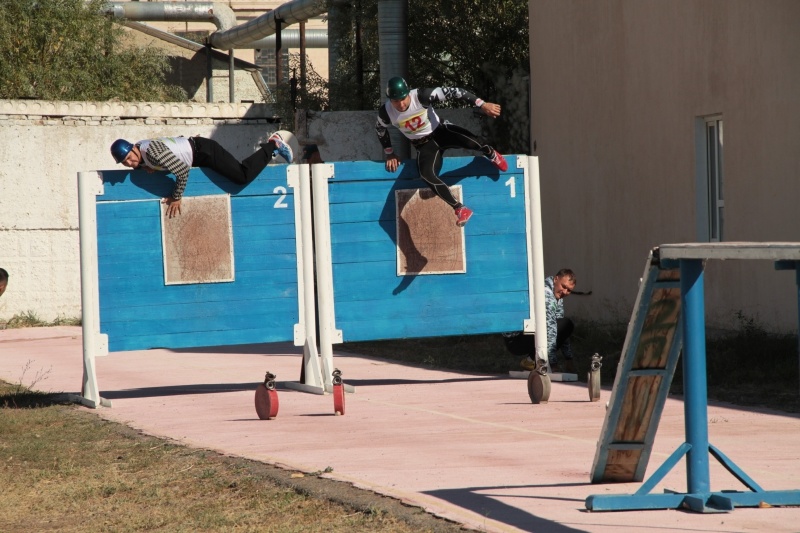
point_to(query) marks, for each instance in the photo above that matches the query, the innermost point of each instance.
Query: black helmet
(120, 150)
(397, 88)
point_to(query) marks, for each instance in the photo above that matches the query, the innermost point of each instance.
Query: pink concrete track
(471, 448)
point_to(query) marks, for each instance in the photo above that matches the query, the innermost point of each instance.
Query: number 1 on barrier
(511, 184)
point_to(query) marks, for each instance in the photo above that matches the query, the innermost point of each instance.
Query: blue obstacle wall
(373, 302)
(137, 309)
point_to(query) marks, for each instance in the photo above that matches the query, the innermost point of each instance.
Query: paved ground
(471, 448)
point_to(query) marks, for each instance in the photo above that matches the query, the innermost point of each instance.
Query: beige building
(662, 122)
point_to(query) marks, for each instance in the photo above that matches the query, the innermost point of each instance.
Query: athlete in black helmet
(412, 113)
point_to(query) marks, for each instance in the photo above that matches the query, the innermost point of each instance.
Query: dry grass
(64, 469)
(29, 319)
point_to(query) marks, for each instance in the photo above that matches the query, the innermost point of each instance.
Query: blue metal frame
(699, 496)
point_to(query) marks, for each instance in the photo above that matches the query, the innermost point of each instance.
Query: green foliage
(313, 96)
(355, 79)
(467, 43)
(69, 50)
(29, 319)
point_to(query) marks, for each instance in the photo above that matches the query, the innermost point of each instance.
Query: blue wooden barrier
(137, 309)
(373, 302)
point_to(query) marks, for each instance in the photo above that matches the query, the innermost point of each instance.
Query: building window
(710, 200)
(265, 58)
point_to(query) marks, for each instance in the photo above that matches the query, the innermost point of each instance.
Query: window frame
(710, 170)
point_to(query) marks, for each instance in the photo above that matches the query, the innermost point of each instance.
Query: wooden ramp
(649, 358)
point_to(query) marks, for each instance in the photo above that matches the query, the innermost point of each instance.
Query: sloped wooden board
(649, 358)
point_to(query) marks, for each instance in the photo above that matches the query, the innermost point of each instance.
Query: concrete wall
(43, 146)
(617, 89)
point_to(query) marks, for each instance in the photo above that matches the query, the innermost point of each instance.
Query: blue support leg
(695, 389)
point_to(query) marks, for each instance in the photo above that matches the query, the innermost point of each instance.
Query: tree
(69, 50)
(313, 96)
(355, 79)
(458, 43)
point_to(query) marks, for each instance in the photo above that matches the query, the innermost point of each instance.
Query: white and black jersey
(420, 119)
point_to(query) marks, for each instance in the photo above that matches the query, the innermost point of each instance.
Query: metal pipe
(393, 30)
(317, 38)
(265, 25)
(231, 77)
(217, 13)
(303, 73)
(278, 47)
(695, 386)
(210, 75)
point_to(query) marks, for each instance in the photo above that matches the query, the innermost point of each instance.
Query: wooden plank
(193, 340)
(620, 465)
(452, 167)
(484, 246)
(637, 407)
(373, 288)
(141, 185)
(387, 328)
(645, 371)
(658, 330)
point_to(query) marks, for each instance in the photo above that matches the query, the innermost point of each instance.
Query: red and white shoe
(499, 161)
(463, 214)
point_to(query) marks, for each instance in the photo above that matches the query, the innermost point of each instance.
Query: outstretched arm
(161, 155)
(440, 94)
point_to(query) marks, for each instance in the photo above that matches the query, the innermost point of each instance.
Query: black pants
(526, 344)
(208, 153)
(431, 151)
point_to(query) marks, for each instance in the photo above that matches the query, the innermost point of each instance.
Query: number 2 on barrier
(280, 203)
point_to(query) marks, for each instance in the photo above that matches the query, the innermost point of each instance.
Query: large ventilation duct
(291, 39)
(393, 31)
(217, 13)
(266, 25)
